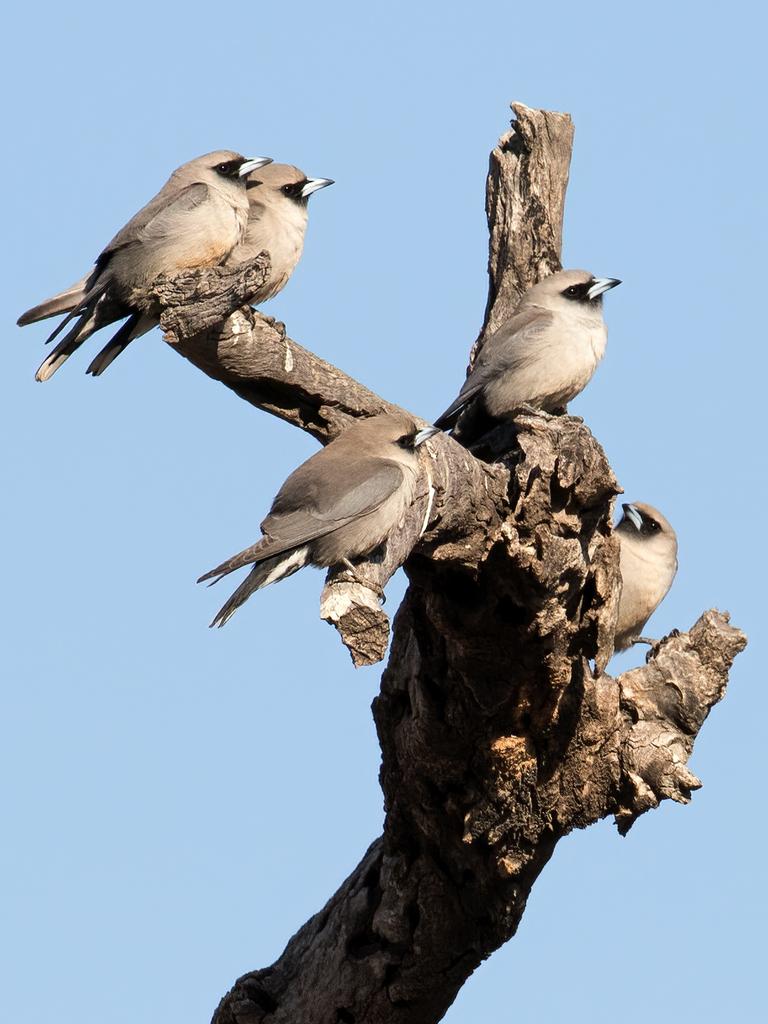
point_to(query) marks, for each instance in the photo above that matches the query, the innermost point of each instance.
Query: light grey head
(398, 430)
(283, 184)
(223, 169)
(277, 221)
(570, 291)
(644, 527)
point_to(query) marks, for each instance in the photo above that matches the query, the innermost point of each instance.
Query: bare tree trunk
(498, 736)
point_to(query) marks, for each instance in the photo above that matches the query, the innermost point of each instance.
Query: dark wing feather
(331, 489)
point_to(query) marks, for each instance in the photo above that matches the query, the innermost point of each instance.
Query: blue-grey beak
(631, 513)
(424, 435)
(253, 164)
(314, 184)
(600, 285)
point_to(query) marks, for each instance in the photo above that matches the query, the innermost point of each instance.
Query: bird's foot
(562, 410)
(531, 410)
(276, 325)
(655, 645)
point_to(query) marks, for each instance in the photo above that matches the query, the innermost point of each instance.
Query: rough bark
(524, 204)
(481, 781)
(499, 730)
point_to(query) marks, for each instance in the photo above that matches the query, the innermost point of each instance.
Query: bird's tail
(70, 343)
(136, 325)
(97, 310)
(449, 418)
(265, 571)
(64, 302)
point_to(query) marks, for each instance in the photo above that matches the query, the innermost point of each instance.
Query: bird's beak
(424, 435)
(633, 516)
(253, 164)
(313, 184)
(600, 285)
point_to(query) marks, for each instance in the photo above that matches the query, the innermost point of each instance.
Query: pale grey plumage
(341, 503)
(196, 220)
(277, 222)
(648, 567)
(544, 355)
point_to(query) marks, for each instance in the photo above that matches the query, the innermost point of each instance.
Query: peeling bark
(500, 731)
(479, 789)
(524, 204)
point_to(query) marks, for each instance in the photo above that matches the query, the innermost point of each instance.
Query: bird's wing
(310, 505)
(510, 346)
(160, 217)
(505, 349)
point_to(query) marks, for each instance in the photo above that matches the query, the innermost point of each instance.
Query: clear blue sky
(177, 801)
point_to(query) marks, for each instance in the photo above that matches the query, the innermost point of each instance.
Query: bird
(541, 357)
(648, 563)
(341, 503)
(277, 222)
(196, 219)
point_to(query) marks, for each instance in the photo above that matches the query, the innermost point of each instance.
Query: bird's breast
(646, 577)
(548, 369)
(281, 233)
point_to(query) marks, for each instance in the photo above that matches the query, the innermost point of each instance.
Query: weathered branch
(500, 733)
(476, 802)
(497, 740)
(524, 203)
(253, 356)
(194, 301)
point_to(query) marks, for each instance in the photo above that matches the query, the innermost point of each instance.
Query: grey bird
(341, 503)
(544, 355)
(277, 222)
(648, 566)
(198, 217)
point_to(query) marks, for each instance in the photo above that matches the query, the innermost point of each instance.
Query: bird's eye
(573, 291)
(294, 190)
(227, 169)
(406, 441)
(651, 525)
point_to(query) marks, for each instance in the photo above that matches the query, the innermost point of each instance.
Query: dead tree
(499, 733)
